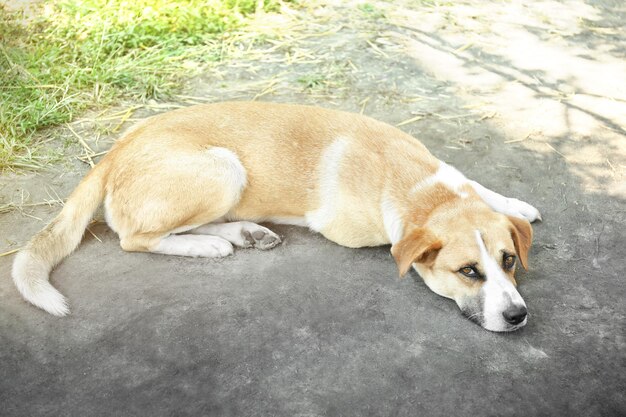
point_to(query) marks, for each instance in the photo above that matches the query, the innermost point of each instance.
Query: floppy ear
(419, 246)
(522, 234)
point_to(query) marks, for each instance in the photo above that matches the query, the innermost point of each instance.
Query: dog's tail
(58, 239)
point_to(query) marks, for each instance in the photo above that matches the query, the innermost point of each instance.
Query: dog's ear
(522, 234)
(419, 246)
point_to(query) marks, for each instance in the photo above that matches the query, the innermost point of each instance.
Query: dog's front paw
(523, 210)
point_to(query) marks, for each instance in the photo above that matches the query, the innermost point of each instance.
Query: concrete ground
(527, 98)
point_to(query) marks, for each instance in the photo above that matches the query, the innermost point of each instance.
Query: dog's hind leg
(242, 234)
(175, 193)
(505, 205)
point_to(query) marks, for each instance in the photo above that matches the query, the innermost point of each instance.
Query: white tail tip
(31, 279)
(49, 299)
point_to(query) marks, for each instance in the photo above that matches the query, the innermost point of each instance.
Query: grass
(371, 11)
(331, 76)
(73, 54)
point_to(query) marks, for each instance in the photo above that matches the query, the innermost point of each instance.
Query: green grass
(371, 11)
(75, 54)
(312, 80)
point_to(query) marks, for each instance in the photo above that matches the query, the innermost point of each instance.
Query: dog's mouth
(478, 318)
(474, 316)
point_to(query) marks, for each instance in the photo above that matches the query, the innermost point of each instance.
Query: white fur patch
(504, 205)
(330, 166)
(107, 213)
(31, 279)
(237, 174)
(446, 175)
(391, 220)
(231, 231)
(194, 245)
(450, 176)
(499, 292)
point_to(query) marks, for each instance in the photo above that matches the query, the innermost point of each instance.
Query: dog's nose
(515, 315)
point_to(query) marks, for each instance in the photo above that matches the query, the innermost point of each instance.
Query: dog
(196, 181)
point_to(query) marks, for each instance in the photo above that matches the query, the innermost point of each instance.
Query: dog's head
(469, 254)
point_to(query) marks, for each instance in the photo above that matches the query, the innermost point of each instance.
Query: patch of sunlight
(538, 66)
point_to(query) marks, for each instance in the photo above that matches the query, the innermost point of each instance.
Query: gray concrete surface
(311, 328)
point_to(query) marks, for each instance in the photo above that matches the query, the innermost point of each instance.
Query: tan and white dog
(195, 181)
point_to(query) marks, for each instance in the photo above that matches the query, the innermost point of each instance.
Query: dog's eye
(469, 271)
(508, 261)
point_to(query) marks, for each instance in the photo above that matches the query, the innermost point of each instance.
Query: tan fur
(280, 147)
(418, 246)
(169, 174)
(451, 225)
(58, 239)
(522, 234)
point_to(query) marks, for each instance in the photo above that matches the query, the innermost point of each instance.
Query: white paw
(259, 237)
(523, 210)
